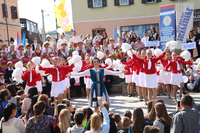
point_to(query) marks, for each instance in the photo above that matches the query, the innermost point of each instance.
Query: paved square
(119, 103)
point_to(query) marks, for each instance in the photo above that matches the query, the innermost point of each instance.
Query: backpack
(166, 126)
(1, 110)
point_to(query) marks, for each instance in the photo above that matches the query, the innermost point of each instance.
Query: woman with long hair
(10, 124)
(138, 121)
(152, 113)
(192, 38)
(49, 110)
(97, 126)
(64, 121)
(162, 117)
(27, 101)
(40, 122)
(153, 35)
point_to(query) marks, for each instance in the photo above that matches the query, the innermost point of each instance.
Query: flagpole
(6, 21)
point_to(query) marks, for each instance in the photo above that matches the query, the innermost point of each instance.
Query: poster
(184, 21)
(167, 24)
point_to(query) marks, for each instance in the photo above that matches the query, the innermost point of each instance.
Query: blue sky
(31, 9)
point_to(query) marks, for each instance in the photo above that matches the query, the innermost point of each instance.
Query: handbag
(1, 127)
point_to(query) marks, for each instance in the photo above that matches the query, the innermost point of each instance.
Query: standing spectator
(128, 114)
(97, 37)
(64, 121)
(61, 41)
(48, 39)
(145, 38)
(149, 106)
(151, 129)
(126, 124)
(11, 124)
(88, 40)
(138, 45)
(77, 128)
(4, 97)
(138, 121)
(49, 110)
(8, 72)
(197, 37)
(163, 120)
(152, 113)
(153, 35)
(12, 90)
(39, 122)
(30, 112)
(191, 38)
(96, 120)
(185, 121)
(74, 40)
(118, 122)
(133, 36)
(124, 36)
(34, 45)
(27, 101)
(1, 42)
(104, 37)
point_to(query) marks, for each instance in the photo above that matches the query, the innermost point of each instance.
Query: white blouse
(106, 72)
(13, 125)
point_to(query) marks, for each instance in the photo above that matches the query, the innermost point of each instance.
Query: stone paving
(119, 103)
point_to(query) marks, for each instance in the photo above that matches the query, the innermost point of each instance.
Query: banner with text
(152, 43)
(187, 46)
(184, 21)
(167, 24)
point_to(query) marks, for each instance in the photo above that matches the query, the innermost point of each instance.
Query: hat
(9, 62)
(26, 52)
(4, 45)
(48, 36)
(13, 53)
(80, 42)
(28, 45)
(11, 39)
(46, 43)
(20, 46)
(111, 39)
(64, 44)
(4, 54)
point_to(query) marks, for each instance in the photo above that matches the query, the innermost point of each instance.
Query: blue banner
(167, 28)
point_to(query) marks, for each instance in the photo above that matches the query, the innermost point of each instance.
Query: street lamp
(6, 13)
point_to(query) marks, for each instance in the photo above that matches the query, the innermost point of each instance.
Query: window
(123, 2)
(140, 29)
(14, 12)
(97, 3)
(4, 10)
(151, 1)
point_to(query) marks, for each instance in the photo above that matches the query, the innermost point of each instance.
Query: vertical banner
(167, 24)
(184, 21)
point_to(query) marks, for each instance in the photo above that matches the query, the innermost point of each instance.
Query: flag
(118, 32)
(24, 40)
(115, 35)
(17, 41)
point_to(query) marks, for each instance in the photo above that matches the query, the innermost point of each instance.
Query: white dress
(13, 125)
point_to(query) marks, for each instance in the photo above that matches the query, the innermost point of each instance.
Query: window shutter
(131, 2)
(144, 1)
(4, 10)
(158, 0)
(104, 3)
(16, 17)
(90, 3)
(116, 2)
(12, 12)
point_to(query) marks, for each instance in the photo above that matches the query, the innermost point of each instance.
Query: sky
(31, 9)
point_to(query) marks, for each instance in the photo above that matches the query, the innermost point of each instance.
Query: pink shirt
(139, 45)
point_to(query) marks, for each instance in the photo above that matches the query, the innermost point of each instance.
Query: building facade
(135, 15)
(13, 20)
(30, 29)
